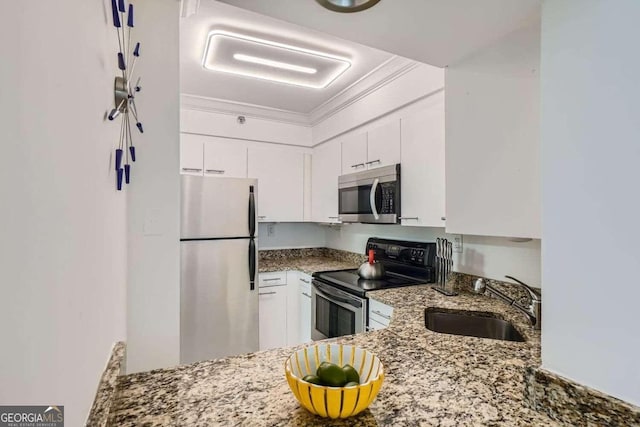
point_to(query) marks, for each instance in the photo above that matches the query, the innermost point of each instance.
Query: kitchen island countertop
(431, 379)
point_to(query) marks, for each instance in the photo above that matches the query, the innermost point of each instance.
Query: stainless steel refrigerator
(218, 249)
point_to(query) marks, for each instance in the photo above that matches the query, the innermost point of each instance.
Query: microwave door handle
(372, 199)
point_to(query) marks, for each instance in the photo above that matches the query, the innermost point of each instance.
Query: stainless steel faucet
(533, 311)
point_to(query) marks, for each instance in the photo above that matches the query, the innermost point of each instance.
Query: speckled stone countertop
(307, 260)
(431, 379)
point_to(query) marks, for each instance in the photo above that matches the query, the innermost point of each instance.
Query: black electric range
(406, 263)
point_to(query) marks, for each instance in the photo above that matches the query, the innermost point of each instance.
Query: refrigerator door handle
(252, 212)
(252, 264)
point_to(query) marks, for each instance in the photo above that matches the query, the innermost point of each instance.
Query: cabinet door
(325, 170)
(280, 183)
(383, 145)
(423, 173)
(191, 155)
(273, 317)
(354, 152)
(305, 309)
(293, 307)
(225, 158)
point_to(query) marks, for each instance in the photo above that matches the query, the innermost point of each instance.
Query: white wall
(492, 257)
(254, 129)
(291, 235)
(492, 150)
(62, 239)
(153, 297)
(590, 155)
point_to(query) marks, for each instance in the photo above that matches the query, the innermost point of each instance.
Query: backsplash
(464, 282)
(575, 404)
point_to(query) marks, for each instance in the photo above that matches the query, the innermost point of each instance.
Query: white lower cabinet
(272, 314)
(298, 308)
(379, 315)
(304, 320)
(285, 309)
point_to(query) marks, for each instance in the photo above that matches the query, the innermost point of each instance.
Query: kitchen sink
(471, 324)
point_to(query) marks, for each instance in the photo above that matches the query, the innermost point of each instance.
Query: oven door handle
(324, 290)
(372, 199)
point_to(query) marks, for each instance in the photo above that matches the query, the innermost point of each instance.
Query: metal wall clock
(124, 91)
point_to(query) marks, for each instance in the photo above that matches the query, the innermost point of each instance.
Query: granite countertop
(309, 265)
(310, 260)
(431, 379)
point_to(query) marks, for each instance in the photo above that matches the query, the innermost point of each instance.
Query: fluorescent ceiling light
(274, 64)
(249, 56)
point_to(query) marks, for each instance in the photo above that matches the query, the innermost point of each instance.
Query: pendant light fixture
(347, 6)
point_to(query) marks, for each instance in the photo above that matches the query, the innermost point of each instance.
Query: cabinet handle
(373, 161)
(303, 280)
(306, 295)
(266, 293)
(381, 315)
(334, 217)
(273, 279)
(443, 218)
(192, 170)
(216, 171)
(409, 217)
(357, 165)
(261, 217)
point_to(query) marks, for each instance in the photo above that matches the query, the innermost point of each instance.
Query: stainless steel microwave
(371, 196)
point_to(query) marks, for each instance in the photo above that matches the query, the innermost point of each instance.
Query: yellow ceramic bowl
(334, 402)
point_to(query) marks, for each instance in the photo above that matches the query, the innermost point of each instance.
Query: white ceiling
(196, 80)
(436, 32)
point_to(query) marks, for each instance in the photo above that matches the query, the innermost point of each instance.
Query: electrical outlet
(457, 243)
(271, 229)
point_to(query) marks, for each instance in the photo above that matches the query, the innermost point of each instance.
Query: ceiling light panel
(263, 59)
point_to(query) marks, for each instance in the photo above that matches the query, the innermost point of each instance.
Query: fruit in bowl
(334, 380)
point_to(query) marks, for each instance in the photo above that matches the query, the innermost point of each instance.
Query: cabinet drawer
(305, 280)
(278, 278)
(374, 325)
(380, 311)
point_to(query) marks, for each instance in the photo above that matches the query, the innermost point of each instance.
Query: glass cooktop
(351, 282)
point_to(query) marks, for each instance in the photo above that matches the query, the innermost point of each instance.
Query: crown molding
(223, 106)
(379, 77)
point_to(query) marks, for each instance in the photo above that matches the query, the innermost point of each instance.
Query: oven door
(335, 313)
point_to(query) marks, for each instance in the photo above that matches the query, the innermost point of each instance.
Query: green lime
(331, 375)
(351, 373)
(313, 379)
(352, 384)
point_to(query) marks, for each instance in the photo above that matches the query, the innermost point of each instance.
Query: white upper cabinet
(212, 156)
(225, 157)
(493, 141)
(280, 183)
(354, 152)
(191, 155)
(325, 171)
(422, 165)
(383, 145)
(379, 146)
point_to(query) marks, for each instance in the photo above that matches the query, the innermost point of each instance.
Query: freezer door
(217, 207)
(218, 309)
